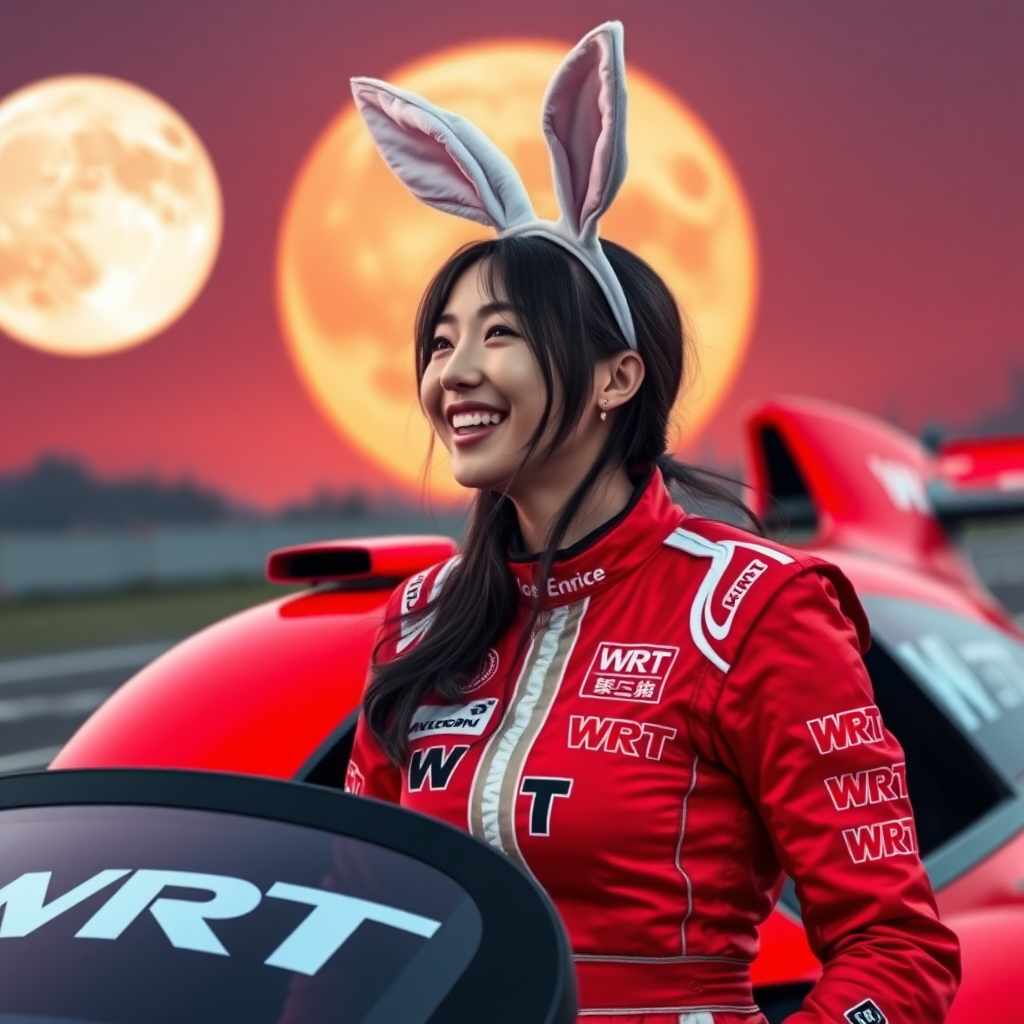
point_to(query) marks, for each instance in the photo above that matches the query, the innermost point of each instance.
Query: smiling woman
(500, 382)
(493, 331)
(356, 250)
(639, 740)
(477, 341)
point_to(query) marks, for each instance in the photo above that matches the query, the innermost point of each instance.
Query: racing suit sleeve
(370, 772)
(795, 719)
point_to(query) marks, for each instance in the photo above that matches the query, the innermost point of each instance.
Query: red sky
(879, 143)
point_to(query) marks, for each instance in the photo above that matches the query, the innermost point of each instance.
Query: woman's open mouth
(468, 427)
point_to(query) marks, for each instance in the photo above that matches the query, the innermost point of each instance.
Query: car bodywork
(273, 691)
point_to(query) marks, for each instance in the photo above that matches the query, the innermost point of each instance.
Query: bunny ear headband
(449, 164)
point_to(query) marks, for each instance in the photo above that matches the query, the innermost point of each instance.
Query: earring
(604, 414)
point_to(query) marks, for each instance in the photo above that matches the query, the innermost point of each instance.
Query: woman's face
(482, 387)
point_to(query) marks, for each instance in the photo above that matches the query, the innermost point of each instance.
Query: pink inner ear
(597, 181)
(578, 127)
(420, 159)
(580, 114)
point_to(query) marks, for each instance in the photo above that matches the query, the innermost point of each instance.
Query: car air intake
(373, 561)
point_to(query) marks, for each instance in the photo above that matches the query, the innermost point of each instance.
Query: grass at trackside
(41, 626)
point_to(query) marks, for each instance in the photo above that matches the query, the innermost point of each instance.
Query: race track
(44, 699)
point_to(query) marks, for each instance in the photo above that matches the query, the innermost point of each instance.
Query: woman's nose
(461, 369)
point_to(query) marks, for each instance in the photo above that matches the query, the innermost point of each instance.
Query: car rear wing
(980, 478)
(360, 563)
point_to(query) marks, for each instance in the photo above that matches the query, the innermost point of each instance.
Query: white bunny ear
(441, 158)
(584, 119)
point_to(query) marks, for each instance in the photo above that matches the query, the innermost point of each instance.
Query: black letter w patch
(433, 764)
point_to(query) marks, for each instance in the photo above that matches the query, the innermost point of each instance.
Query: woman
(641, 706)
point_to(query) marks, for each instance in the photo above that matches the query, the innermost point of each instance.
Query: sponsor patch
(468, 720)
(866, 1013)
(619, 736)
(882, 839)
(847, 729)
(355, 781)
(744, 582)
(872, 786)
(542, 791)
(412, 592)
(486, 673)
(635, 672)
(433, 767)
(412, 627)
(705, 628)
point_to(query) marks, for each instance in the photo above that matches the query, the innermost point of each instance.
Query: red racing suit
(691, 720)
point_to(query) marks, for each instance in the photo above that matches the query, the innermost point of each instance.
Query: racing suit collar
(614, 549)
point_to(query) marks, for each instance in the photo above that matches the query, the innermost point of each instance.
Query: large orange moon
(110, 215)
(356, 250)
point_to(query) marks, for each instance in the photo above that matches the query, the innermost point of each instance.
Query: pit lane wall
(42, 563)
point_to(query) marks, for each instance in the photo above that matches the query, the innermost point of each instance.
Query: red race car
(274, 690)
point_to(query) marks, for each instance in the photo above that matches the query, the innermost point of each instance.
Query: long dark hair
(569, 327)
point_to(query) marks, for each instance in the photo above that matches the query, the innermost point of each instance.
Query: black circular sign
(150, 897)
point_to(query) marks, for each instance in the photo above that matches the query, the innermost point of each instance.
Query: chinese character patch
(635, 672)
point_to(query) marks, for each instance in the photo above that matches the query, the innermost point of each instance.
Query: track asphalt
(44, 699)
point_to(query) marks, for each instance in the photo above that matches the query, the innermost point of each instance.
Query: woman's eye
(500, 330)
(439, 345)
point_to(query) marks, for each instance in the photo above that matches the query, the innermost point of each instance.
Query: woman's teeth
(466, 420)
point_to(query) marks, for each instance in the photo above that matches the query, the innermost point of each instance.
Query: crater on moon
(110, 215)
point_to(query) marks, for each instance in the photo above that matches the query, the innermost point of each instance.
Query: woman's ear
(618, 379)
